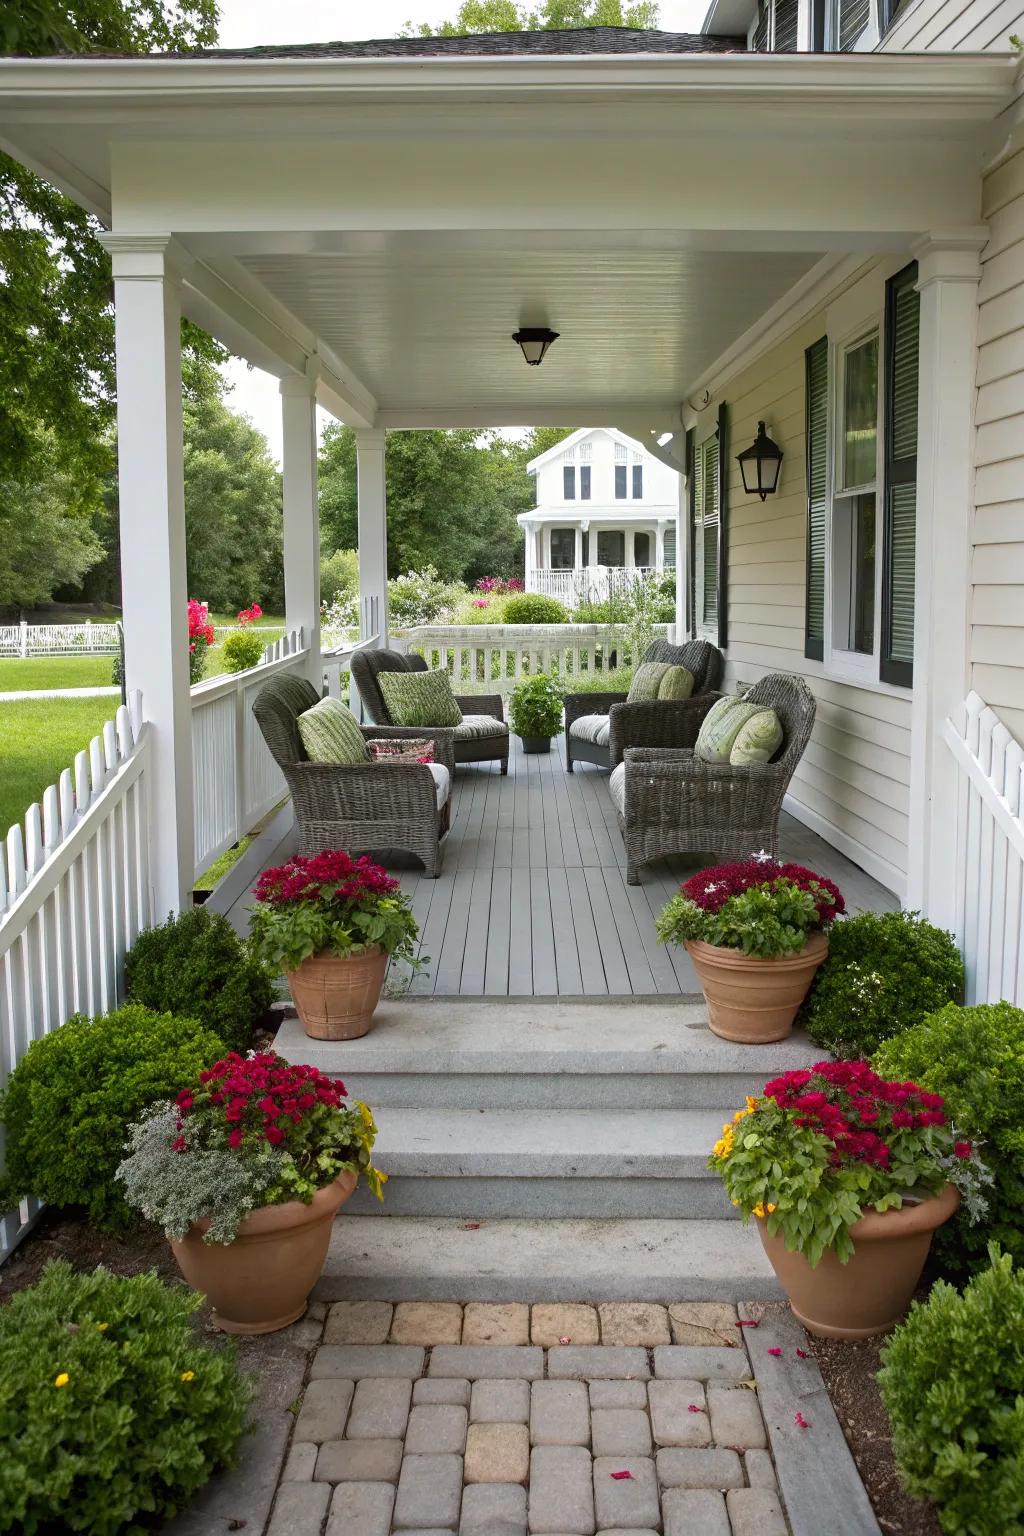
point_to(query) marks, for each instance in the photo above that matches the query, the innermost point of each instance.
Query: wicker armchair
(362, 808)
(669, 801)
(481, 738)
(657, 723)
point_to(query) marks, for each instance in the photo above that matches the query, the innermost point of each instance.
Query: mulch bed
(57, 1236)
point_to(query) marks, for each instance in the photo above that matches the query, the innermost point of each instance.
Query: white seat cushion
(617, 788)
(473, 726)
(595, 728)
(442, 782)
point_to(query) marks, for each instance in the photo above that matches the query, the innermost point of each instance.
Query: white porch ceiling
(428, 330)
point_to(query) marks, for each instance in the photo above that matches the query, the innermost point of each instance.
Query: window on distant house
(584, 482)
(563, 549)
(670, 549)
(621, 472)
(638, 482)
(611, 547)
(569, 482)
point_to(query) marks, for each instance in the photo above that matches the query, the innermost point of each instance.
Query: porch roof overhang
(383, 225)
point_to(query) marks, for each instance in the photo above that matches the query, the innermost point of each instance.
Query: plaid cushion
(401, 749)
(419, 698)
(330, 734)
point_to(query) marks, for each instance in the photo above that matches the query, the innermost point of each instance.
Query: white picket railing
(74, 895)
(235, 780)
(990, 852)
(487, 658)
(588, 583)
(87, 639)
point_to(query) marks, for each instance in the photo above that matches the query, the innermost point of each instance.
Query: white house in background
(604, 504)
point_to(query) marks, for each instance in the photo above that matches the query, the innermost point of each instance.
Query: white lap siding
(955, 26)
(852, 783)
(997, 608)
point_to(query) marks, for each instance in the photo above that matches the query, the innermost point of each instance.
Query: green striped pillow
(758, 740)
(676, 683)
(646, 681)
(720, 728)
(330, 734)
(419, 698)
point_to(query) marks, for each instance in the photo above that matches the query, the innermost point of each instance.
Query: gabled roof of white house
(556, 451)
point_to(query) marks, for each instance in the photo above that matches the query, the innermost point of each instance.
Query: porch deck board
(532, 899)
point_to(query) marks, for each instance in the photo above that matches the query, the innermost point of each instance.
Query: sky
(249, 23)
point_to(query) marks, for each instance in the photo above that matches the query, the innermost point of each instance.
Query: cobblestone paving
(504, 1420)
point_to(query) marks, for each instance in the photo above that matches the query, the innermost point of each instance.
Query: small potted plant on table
(331, 923)
(847, 1175)
(535, 712)
(245, 1171)
(755, 932)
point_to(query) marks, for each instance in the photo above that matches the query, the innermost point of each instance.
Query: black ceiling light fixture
(760, 464)
(535, 341)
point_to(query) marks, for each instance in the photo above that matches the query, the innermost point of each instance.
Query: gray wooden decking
(533, 901)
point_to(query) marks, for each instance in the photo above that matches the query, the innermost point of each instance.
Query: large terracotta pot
(870, 1293)
(335, 995)
(262, 1280)
(752, 1000)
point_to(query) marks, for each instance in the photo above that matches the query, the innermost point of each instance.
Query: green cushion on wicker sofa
(646, 681)
(721, 725)
(757, 740)
(330, 734)
(676, 683)
(419, 698)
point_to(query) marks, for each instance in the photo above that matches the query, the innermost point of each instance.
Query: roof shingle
(580, 41)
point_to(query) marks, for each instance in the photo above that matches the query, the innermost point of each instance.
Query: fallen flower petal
(565, 1340)
(776, 1351)
(748, 1323)
(471, 1226)
(800, 1421)
(618, 1476)
(694, 1408)
(803, 1354)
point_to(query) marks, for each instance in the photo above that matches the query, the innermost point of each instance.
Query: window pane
(638, 481)
(642, 549)
(853, 18)
(611, 547)
(860, 425)
(569, 483)
(620, 482)
(862, 616)
(584, 482)
(563, 549)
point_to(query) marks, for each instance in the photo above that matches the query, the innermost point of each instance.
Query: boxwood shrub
(974, 1057)
(953, 1386)
(197, 965)
(68, 1104)
(885, 971)
(113, 1410)
(534, 608)
(243, 649)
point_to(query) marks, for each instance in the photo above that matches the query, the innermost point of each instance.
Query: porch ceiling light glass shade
(535, 341)
(760, 464)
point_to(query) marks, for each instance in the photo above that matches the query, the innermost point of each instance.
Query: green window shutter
(816, 373)
(691, 540)
(902, 341)
(709, 521)
(709, 534)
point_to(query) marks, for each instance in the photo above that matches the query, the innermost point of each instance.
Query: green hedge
(197, 965)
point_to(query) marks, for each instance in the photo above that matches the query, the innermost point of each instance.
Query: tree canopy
(550, 15)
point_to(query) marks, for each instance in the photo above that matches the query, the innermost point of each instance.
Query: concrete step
(536, 1053)
(538, 1163)
(408, 1258)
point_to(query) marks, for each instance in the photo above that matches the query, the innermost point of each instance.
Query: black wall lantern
(535, 341)
(760, 464)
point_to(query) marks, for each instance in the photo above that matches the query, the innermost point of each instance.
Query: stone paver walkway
(510, 1420)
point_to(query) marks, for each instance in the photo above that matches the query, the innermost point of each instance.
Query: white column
(147, 305)
(630, 555)
(301, 517)
(681, 556)
(577, 557)
(528, 556)
(373, 534)
(948, 274)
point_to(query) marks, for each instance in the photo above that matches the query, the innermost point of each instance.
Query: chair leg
(504, 767)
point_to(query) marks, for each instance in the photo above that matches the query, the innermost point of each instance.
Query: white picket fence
(990, 852)
(588, 583)
(487, 658)
(235, 780)
(85, 639)
(74, 895)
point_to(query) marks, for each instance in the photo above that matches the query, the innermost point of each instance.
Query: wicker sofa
(670, 801)
(600, 726)
(481, 738)
(364, 808)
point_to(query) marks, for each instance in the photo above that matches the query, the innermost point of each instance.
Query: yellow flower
(751, 1105)
(187, 1375)
(771, 1208)
(102, 1327)
(759, 1209)
(734, 1202)
(61, 1380)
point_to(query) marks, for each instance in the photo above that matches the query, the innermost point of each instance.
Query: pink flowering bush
(330, 904)
(250, 615)
(200, 638)
(758, 906)
(499, 586)
(824, 1144)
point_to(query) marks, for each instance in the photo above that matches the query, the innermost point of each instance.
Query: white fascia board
(613, 512)
(729, 18)
(570, 442)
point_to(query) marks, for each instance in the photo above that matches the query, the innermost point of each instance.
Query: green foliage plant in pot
(245, 1171)
(756, 933)
(331, 922)
(952, 1382)
(535, 711)
(847, 1175)
(114, 1410)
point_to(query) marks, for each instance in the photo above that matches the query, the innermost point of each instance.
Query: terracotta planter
(261, 1281)
(752, 1000)
(335, 995)
(871, 1292)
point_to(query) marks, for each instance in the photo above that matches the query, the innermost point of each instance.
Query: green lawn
(54, 672)
(38, 738)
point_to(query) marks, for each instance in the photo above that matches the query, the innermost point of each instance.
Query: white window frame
(869, 38)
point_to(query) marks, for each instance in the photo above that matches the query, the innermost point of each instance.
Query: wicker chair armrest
(340, 791)
(442, 736)
(579, 704)
(670, 723)
(668, 762)
(481, 704)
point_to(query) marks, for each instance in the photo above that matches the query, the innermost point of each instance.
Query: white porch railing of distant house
(989, 852)
(74, 895)
(486, 658)
(235, 780)
(588, 583)
(86, 639)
